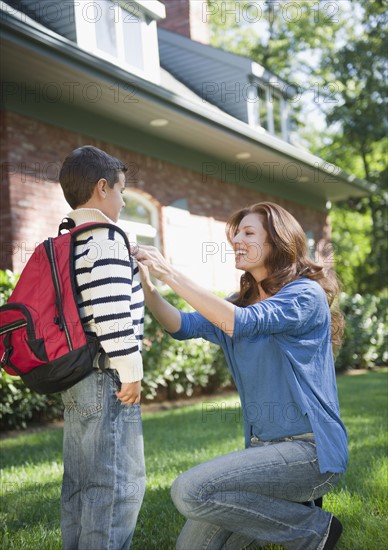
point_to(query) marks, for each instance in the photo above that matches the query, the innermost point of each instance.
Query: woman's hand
(152, 262)
(217, 311)
(167, 315)
(145, 277)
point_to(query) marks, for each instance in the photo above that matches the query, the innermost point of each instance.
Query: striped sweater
(110, 297)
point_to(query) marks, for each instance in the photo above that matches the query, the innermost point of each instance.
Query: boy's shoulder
(104, 243)
(110, 232)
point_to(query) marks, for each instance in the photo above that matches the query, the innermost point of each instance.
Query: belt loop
(256, 441)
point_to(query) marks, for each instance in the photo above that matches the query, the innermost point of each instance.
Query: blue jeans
(254, 497)
(104, 472)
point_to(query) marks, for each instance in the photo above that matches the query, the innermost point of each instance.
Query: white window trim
(136, 229)
(285, 116)
(269, 107)
(86, 39)
(254, 115)
(154, 8)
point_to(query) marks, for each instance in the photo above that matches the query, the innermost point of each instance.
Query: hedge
(173, 368)
(365, 338)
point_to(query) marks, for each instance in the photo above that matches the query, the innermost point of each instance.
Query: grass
(177, 439)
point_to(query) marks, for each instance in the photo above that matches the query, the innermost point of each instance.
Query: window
(105, 29)
(132, 53)
(277, 114)
(139, 219)
(311, 243)
(123, 33)
(269, 111)
(262, 107)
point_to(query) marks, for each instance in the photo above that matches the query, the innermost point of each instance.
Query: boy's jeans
(255, 497)
(104, 472)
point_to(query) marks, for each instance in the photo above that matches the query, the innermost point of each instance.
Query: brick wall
(5, 207)
(32, 203)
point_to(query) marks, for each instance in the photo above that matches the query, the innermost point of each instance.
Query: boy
(104, 473)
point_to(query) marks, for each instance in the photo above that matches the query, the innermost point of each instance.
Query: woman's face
(251, 246)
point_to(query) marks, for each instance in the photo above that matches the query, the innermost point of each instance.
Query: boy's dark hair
(83, 168)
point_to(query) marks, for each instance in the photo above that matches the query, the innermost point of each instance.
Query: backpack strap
(66, 225)
(75, 231)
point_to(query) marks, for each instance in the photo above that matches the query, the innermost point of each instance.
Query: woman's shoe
(334, 534)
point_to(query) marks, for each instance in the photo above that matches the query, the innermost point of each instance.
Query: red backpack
(42, 338)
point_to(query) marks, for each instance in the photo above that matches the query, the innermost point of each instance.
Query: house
(203, 131)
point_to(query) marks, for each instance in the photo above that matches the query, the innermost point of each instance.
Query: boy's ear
(100, 188)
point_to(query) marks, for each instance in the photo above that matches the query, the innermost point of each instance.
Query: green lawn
(178, 439)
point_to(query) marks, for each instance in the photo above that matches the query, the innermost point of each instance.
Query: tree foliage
(335, 52)
(359, 69)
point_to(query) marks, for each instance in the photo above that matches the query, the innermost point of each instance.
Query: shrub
(173, 368)
(8, 281)
(364, 343)
(177, 366)
(19, 405)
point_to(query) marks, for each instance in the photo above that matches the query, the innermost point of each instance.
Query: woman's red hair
(288, 260)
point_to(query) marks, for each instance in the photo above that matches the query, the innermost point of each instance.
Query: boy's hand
(130, 393)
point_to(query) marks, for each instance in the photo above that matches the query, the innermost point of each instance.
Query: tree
(359, 69)
(335, 50)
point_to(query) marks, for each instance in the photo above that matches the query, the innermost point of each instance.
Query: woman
(277, 336)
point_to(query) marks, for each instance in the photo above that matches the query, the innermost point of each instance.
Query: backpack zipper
(58, 292)
(13, 326)
(15, 306)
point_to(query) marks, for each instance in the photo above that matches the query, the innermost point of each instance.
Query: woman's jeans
(255, 497)
(104, 473)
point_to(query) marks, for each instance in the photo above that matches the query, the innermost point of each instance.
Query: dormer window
(121, 32)
(268, 110)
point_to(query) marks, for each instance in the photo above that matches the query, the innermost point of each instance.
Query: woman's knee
(180, 493)
(187, 494)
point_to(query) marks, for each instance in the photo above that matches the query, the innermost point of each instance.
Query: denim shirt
(281, 360)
